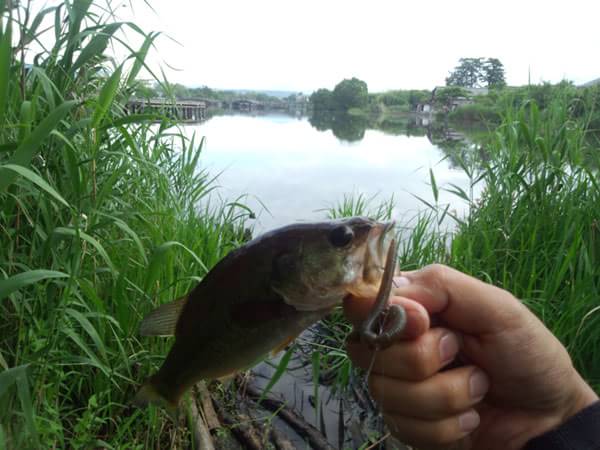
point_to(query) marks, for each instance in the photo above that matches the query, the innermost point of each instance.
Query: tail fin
(149, 395)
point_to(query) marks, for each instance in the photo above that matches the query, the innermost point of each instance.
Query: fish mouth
(378, 245)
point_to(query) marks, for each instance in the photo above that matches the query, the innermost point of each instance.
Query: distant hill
(278, 94)
(591, 83)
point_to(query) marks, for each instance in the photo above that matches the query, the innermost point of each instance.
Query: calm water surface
(292, 172)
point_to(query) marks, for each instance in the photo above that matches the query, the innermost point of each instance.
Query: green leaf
(316, 373)
(25, 120)
(127, 230)
(96, 47)
(89, 239)
(434, 187)
(5, 59)
(158, 257)
(106, 97)
(133, 118)
(9, 377)
(89, 329)
(25, 151)
(18, 375)
(37, 180)
(92, 358)
(140, 57)
(281, 368)
(16, 282)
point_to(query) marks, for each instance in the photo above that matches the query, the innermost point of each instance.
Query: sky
(306, 45)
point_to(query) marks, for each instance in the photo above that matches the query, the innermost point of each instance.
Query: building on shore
(441, 103)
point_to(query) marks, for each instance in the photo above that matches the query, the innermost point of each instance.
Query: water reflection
(346, 127)
(293, 168)
(350, 128)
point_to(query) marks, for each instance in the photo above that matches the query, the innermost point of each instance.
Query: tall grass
(535, 229)
(98, 223)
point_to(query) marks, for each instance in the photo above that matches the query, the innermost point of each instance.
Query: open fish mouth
(378, 244)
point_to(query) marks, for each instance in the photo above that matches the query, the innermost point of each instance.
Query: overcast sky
(305, 45)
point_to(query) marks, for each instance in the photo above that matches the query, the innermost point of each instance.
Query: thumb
(463, 302)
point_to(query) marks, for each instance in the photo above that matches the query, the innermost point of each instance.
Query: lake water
(291, 171)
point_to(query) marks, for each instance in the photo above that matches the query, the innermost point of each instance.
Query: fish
(260, 297)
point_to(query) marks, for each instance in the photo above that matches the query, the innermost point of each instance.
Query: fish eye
(341, 236)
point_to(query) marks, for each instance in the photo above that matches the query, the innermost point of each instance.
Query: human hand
(518, 382)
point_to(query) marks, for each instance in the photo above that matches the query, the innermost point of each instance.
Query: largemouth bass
(260, 297)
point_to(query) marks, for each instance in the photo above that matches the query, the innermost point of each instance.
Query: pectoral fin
(163, 320)
(284, 344)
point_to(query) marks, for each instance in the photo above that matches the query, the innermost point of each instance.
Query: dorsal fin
(163, 320)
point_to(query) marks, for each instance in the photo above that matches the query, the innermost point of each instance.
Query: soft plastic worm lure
(384, 322)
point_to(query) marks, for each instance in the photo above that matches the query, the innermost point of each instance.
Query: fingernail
(479, 384)
(468, 421)
(401, 281)
(448, 347)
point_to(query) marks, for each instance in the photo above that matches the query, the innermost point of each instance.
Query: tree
(468, 73)
(494, 73)
(477, 72)
(444, 96)
(322, 100)
(351, 93)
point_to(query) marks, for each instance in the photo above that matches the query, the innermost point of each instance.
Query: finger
(426, 433)
(414, 359)
(463, 302)
(442, 395)
(417, 319)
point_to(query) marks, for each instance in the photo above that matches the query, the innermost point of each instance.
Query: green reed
(535, 229)
(100, 221)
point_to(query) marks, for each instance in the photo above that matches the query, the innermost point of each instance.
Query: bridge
(184, 110)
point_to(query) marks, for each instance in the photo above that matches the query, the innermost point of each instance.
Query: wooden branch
(242, 428)
(297, 422)
(212, 421)
(280, 442)
(200, 434)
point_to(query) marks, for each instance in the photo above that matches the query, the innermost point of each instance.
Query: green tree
(477, 72)
(493, 71)
(351, 93)
(445, 95)
(322, 100)
(468, 73)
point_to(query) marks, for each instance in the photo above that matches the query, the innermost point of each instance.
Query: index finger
(463, 302)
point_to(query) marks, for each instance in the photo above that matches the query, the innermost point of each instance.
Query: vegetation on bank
(583, 102)
(352, 96)
(145, 89)
(99, 223)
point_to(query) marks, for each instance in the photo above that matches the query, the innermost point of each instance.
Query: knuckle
(451, 398)
(437, 270)
(436, 274)
(421, 357)
(420, 354)
(445, 433)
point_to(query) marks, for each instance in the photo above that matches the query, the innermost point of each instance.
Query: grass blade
(23, 279)
(5, 66)
(25, 151)
(37, 180)
(279, 371)
(106, 97)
